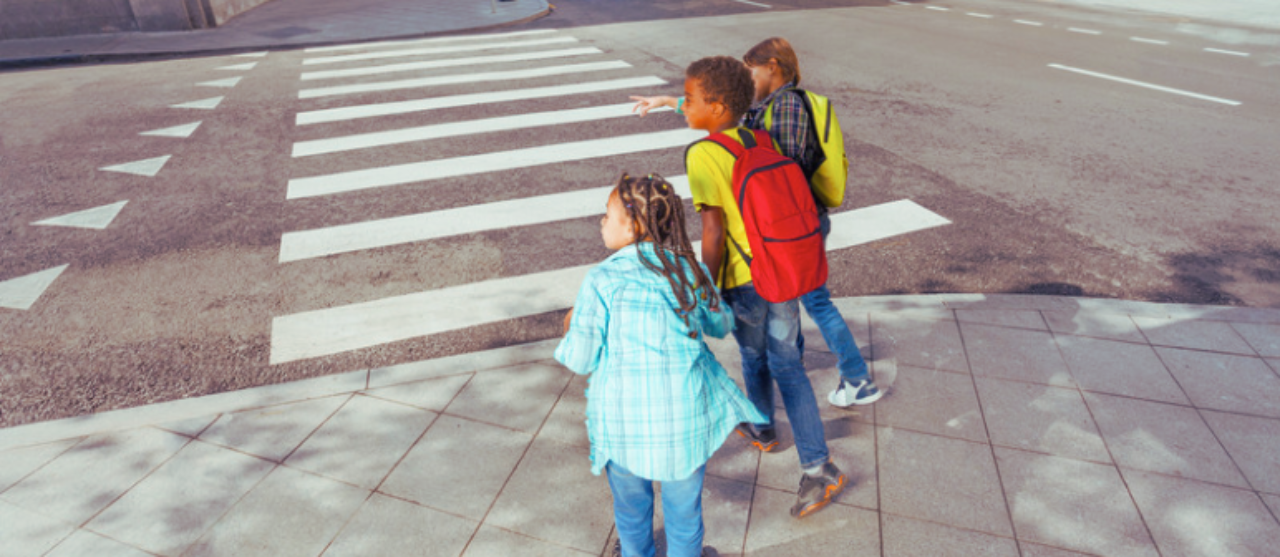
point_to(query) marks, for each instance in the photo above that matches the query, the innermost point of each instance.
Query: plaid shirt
(658, 402)
(790, 128)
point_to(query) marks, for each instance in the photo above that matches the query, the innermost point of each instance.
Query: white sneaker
(847, 394)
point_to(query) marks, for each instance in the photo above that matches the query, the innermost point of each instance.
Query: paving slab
(1225, 382)
(1110, 326)
(362, 441)
(942, 480)
(1040, 418)
(16, 464)
(1163, 438)
(63, 490)
(938, 402)
(837, 530)
(1120, 368)
(1016, 319)
(290, 513)
(490, 541)
(177, 503)
(1264, 338)
(929, 342)
(27, 532)
(1251, 443)
(428, 394)
(487, 398)
(275, 431)
(389, 526)
(459, 466)
(84, 542)
(1018, 354)
(1214, 336)
(1188, 517)
(1073, 504)
(908, 537)
(555, 479)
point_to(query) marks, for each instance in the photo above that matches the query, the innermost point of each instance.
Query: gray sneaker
(817, 491)
(849, 394)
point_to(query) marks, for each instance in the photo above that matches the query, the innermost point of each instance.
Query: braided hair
(658, 215)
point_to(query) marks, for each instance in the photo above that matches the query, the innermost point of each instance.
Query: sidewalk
(284, 23)
(1032, 425)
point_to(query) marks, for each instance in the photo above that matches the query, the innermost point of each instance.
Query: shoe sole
(832, 491)
(757, 444)
(863, 402)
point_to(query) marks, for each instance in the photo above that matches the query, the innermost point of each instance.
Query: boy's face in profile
(700, 114)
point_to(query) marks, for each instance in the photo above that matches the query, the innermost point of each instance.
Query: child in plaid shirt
(658, 402)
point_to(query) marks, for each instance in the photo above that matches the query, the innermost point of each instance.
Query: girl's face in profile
(617, 228)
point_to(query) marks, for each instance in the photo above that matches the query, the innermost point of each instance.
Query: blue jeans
(853, 368)
(633, 513)
(767, 335)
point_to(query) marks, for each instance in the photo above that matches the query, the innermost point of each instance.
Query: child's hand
(567, 317)
(645, 104)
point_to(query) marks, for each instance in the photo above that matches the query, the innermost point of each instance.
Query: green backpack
(832, 172)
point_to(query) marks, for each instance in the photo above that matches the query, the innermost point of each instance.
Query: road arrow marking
(22, 292)
(1145, 85)
(239, 67)
(204, 104)
(183, 131)
(228, 82)
(148, 167)
(97, 218)
(341, 329)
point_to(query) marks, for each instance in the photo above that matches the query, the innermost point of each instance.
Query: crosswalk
(357, 103)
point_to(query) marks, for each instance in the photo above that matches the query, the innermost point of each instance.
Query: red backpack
(788, 257)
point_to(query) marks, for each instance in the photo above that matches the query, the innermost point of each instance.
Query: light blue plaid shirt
(658, 402)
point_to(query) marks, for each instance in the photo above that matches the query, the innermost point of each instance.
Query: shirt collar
(769, 99)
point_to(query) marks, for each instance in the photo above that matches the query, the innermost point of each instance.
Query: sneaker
(817, 491)
(617, 549)
(708, 551)
(765, 439)
(848, 394)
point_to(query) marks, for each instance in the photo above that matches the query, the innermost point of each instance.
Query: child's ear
(719, 109)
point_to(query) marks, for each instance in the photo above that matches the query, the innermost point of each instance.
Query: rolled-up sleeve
(583, 345)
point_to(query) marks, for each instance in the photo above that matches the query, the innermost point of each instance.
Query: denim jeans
(633, 513)
(767, 335)
(853, 368)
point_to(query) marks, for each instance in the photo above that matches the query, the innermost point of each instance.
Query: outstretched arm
(645, 104)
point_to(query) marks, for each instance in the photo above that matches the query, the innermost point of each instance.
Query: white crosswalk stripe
(451, 62)
(462, 78)
(471, 99)
(587, 112)
(434, 50)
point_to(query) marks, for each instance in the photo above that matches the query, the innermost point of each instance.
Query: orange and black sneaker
(817, 491)
(765, 439)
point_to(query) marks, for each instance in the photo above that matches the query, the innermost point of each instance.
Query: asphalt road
(1094, 154)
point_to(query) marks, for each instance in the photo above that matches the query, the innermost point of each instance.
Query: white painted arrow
(183, 131)
(97, 218)
(228, 82)
(22, 292)
(250, 55)
(203, 104)
(239, 67)
(148, 167)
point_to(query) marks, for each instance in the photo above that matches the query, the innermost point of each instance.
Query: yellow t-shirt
(710, 170)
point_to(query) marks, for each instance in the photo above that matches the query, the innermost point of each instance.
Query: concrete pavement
(284, 23)
(1014, 425)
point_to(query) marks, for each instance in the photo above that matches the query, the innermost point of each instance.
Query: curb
(7, 64)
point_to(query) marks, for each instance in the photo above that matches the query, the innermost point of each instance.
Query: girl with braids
(658, 402)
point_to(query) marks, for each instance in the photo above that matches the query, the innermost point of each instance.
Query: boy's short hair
(724, 79)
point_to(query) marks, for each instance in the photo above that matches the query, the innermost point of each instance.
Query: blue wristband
(679, 105)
